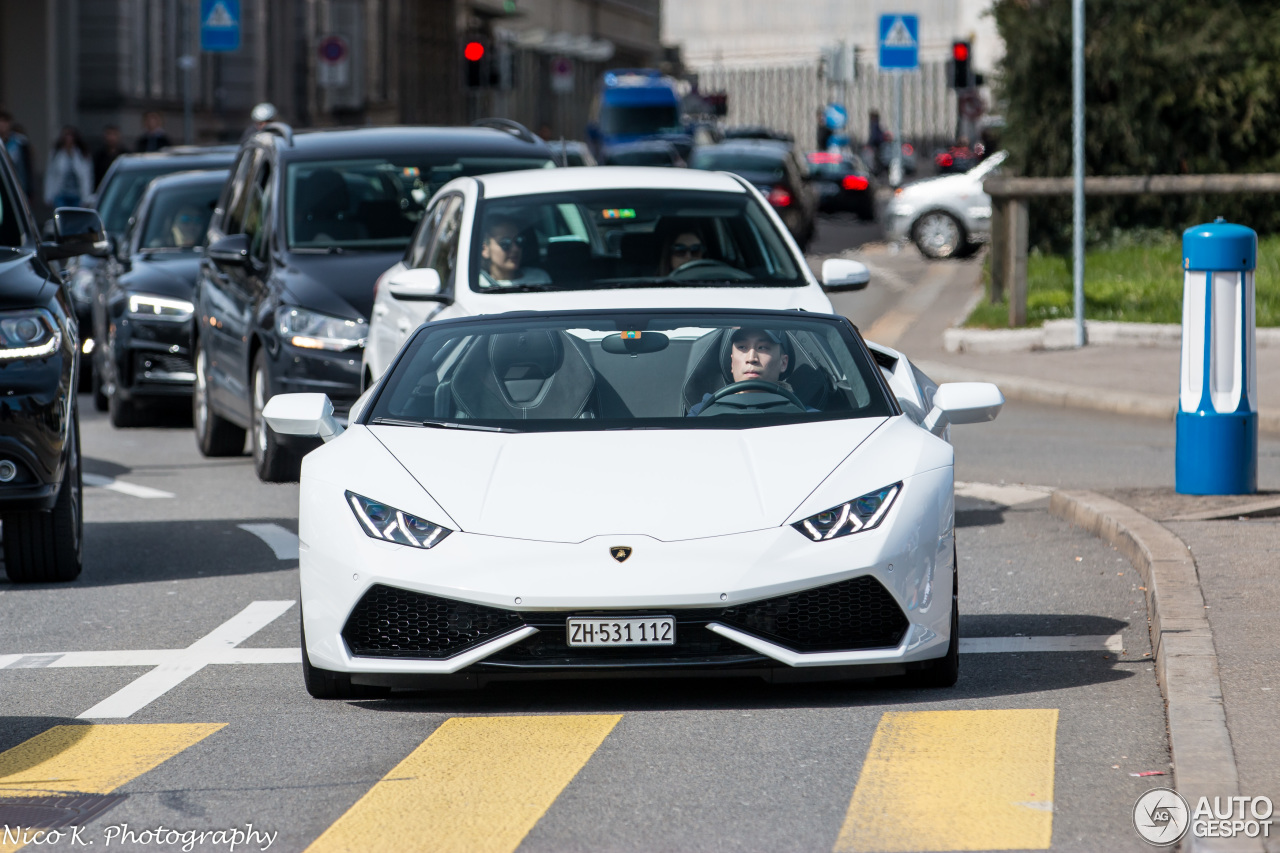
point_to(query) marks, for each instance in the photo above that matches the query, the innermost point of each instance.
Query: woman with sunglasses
(503, 254)
(683, 244)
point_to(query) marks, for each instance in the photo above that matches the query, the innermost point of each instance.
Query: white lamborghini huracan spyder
(660, 491)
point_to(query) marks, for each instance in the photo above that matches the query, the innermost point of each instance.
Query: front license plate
(654, 631)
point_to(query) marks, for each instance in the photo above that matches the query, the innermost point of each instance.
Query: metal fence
(787, 98)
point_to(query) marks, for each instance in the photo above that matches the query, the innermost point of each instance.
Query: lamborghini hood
(667, 484)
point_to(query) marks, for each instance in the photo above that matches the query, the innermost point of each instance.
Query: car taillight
(854, 182)
(945, 160)
(779, 197)
(908, 149)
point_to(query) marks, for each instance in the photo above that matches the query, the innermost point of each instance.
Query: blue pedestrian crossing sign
(219, 25)
(899, 43)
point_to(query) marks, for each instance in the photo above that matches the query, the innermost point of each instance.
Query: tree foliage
(1171, 87)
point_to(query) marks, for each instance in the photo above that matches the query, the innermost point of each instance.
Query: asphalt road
(1032, 749)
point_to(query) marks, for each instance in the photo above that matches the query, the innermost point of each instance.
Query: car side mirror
(963, 403)
(840, 274)
(421, 284)
(310, 415)
(75, 231)
(230, 251)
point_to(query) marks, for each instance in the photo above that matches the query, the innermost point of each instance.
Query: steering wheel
(754, 385)
(721, 268)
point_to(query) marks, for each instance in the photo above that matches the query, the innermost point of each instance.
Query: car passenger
(754, 354)
(503, 255)
(188, 227)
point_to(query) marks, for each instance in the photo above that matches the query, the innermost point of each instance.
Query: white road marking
(283, 542)
(145, 689)
(1086, 643)
(1003, 495)
(132, 489)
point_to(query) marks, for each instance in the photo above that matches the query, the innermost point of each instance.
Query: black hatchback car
(304, 227)
(776, 170)
(40, 481)
(117, 196)
(142, 313)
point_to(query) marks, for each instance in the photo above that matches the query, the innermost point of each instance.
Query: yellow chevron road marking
(477, 785)
(91, 759)
(955, 780)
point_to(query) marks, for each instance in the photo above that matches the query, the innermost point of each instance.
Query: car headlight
(392, 525)
(144, 306)
(311, 330)
(855, 516)
(28, 334)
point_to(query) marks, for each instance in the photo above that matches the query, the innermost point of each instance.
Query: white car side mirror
(302, 414)
(963, 403)
(841, 274)
(421, 284)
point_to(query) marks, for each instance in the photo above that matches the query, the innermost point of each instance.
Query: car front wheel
(48, 546)
(274, 462)
(324, 684)
(215, 436)
(938, 235)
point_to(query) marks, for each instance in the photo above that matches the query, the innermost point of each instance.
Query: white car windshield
(631, 370)
(628, 238)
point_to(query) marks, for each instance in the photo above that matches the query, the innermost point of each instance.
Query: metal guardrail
(1010, 196)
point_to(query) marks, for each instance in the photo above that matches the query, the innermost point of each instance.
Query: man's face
(152, 121)
(5, 127)
(755, 355)
(502, 252)
(111, 137)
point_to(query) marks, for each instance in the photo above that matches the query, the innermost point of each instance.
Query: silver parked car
(947, 216)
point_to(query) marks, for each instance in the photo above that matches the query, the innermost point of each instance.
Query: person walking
(154, 136)
(107, 154)
(19, 149)
(68, 182)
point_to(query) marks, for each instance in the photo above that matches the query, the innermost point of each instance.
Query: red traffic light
(960, 51)
(474, 51)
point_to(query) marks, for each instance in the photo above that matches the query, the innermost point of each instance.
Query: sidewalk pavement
(1211, 565)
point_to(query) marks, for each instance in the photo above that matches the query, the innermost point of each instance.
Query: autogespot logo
(1161, 816)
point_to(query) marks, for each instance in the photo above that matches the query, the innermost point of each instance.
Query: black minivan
(304, 227)
(41, 501)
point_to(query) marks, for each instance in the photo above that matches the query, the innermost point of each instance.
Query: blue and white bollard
(1217, 446)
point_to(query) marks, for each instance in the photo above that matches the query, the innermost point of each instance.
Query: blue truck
(634, 104)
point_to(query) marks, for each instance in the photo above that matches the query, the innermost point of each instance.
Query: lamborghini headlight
(28, 334)
(857, 515)
(392, 525)
(145, 306)
(312, 330)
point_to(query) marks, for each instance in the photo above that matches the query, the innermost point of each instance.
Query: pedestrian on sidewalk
(107, 154)
(18, 148)
(68, 182)
(154, 136)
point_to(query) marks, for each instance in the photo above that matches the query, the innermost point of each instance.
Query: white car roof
(536, 181)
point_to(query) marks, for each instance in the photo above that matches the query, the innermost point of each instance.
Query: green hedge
(1137, 281)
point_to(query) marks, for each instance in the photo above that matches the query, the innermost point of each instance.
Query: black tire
(100, 401)
(938, 235)
(48, 546)
(273, 462)
(324, 684)
(123, 414)
(215, 436)
(945, 671)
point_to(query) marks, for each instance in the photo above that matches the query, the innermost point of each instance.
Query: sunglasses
(505, 243)
(686, 249)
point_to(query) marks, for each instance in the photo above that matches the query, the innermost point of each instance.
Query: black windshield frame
(881, 400)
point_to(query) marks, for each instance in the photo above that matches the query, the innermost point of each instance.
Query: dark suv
(40, 482)
(305, 225)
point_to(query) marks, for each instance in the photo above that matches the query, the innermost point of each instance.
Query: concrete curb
(1061, 334)
(1186, 660)
(1064, 394)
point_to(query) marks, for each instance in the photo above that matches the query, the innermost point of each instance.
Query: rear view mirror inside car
(634, 343)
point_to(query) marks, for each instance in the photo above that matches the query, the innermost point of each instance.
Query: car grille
(855, 614)
(397, 623)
